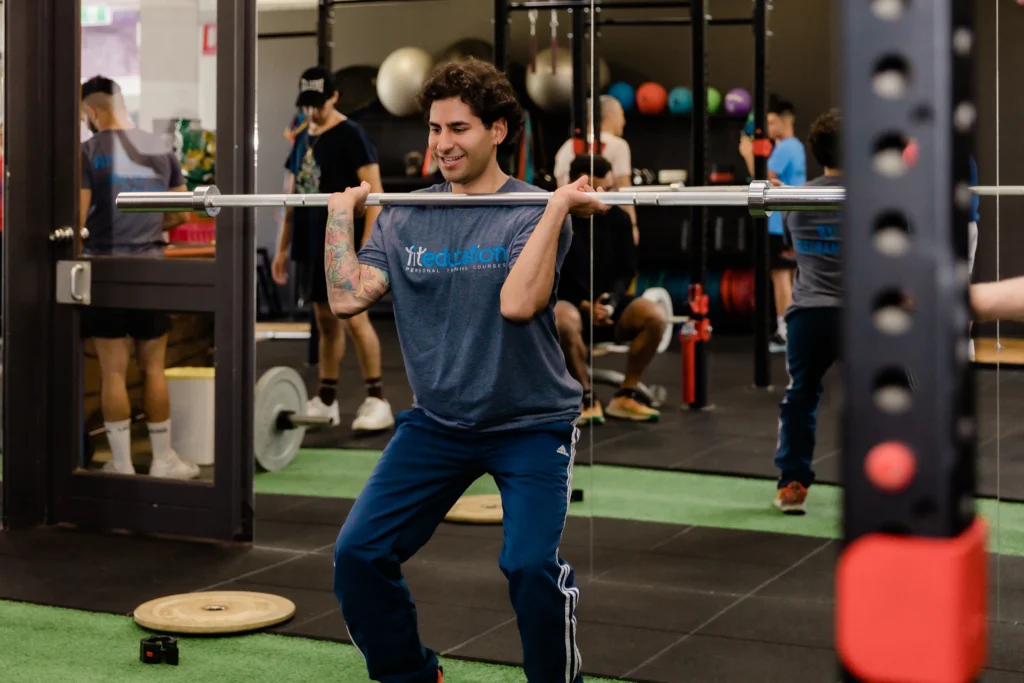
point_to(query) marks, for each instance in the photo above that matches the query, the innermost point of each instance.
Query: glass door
(152, 314)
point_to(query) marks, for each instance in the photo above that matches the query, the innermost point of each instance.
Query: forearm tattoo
(345, 275)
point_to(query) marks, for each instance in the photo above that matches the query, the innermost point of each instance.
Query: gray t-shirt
(815, 236)
(469, 367)
(115, 161)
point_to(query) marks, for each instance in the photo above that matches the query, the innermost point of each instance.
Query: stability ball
(714, 100)
(680, 101)
(737, 102)
(553, 92)
(400, 78)
(625, 94)
(651, 98)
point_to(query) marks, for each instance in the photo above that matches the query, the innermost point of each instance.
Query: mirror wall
(148, 123)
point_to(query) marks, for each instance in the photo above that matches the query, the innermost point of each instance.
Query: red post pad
(914, 609)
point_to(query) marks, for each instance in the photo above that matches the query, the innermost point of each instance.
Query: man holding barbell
(473, 291)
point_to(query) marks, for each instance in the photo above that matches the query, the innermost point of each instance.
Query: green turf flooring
(49, 644)
(642, 495)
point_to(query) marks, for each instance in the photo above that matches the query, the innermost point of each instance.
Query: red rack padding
(914, 609)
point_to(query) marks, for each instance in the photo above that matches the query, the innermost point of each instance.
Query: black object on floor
(658, 602)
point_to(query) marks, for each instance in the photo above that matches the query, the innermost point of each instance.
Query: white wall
(168, 60)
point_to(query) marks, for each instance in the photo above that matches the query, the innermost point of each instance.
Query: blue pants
(423, 472)
(814, 338)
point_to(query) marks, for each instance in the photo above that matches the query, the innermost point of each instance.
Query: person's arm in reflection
(1003, 300)
(176, 183)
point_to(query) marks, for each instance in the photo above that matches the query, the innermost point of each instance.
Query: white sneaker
(173, 466)
(970, 350)
(373, 416)
(316, 408)
(110, 468)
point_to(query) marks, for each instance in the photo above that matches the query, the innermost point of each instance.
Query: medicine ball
(714, 100)
(625, 94)
(651, 98)
(680, 101)
(737, 102)
(400, 78)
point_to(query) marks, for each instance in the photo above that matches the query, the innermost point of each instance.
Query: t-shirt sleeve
(363, 152)
(176, 179)
(86, 172)
(621, 158)
(374, 252)
(530, 222)
(780, 159)
(520, 240)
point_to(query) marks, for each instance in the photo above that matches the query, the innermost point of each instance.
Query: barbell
(760, 198)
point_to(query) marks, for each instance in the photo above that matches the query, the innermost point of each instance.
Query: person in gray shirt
(474, 301)
(813, 321)
(121, 158)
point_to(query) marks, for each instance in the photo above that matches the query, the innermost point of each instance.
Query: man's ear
(499, 131)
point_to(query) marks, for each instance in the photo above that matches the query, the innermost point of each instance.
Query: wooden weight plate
(278, 389)
(476, 510)
(214, 612)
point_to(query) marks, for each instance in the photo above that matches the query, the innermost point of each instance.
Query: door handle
(76, 272)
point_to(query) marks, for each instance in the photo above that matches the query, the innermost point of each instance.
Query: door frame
(43, 421)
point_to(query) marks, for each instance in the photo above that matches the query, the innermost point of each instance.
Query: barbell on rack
(760, 197)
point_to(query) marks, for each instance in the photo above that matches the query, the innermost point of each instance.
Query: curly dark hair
(480, 85)
(826, 139)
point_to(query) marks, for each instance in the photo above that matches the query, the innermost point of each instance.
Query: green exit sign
(97, 15)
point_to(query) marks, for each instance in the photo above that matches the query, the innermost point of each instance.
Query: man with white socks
(121, 158)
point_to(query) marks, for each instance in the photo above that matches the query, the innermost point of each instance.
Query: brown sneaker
(792, 498)
(628, 408)
(592, 415)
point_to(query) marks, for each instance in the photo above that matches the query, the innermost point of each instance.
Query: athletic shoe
(109, 468)
(970, 350)
(792, 498)
(316, 408)
(628, 408)
(777, 344)
(592, 415)
(373, 416)
(440, 675)
(173, 466)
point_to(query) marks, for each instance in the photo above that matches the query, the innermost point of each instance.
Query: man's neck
(333, 120)
(118, 123)
(492, 180)
(833, 172)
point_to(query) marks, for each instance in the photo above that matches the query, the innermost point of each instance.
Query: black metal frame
(699, 136)
(939, 426)
(43, 418)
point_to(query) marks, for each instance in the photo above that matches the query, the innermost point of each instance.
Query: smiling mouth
(451, 160)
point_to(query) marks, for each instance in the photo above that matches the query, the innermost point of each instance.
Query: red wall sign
(210, 39)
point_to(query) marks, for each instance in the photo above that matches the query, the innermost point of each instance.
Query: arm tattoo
(345, 275)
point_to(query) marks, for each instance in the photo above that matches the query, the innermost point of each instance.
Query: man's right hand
(279, 268)
(579, 199)
(353, 199)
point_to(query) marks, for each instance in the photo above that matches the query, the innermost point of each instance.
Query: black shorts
(312, 276)
(117, 323)
(780, 254)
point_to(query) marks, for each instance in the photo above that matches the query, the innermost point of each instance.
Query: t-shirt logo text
(422, 259)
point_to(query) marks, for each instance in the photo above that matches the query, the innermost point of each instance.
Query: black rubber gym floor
(737, 437)
(658, 602)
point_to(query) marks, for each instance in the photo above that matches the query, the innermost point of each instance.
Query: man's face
(605, 182)
(462, 146)
(774, 126)
(90, 116)
(319, 115)
(615, 121)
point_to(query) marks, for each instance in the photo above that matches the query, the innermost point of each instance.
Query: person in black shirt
(615, 316)
(331, 154)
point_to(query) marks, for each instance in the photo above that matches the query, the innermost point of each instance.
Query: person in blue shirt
(787, 164)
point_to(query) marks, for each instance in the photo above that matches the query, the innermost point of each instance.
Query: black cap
(99, 84)
(315, 87)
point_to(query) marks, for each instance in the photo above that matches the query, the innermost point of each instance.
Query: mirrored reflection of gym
(546, 340)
